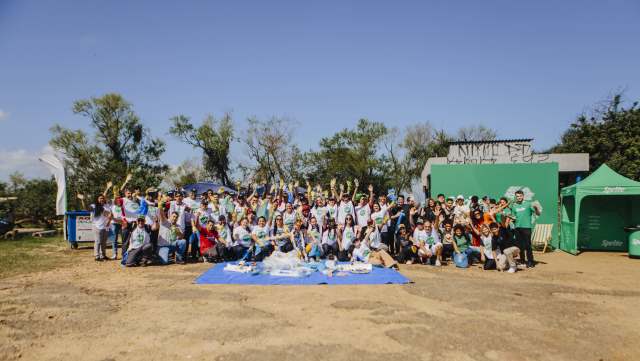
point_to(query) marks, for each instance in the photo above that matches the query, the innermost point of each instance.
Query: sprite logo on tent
(635, 242)
(510, 193)
(614, 190)
(614, 243)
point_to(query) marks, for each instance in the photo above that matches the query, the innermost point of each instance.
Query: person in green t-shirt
(523, 211)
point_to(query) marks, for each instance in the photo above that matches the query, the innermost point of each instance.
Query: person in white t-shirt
(101, 220)
(319, 212)
(170, 237)
(262, 244)
(363, 211)
(345, 207)
(140, 249)
(242, 238)
(330, 238)
(427, 240)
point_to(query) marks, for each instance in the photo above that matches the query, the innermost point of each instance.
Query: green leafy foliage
(611, 136)
(36, 199)
(119, 145)
(213, 137)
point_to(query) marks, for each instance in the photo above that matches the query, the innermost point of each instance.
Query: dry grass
(30, 254)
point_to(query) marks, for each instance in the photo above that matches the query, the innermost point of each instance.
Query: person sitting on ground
(330, 238)
(224, 232)
(140, 249)
(466, 246)
(407, 255)
(242, 237)
(360, 251)
(212, 246)
(427, 242)
(297, 238)
(447, 239)
(170, 237)
(378, 254)
(347, 232)
(501, 240)
(313, 248)
(262, 246)
(280, 233)
(486, 250)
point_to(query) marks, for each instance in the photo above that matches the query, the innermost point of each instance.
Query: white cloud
(3, 114)
(23, 161)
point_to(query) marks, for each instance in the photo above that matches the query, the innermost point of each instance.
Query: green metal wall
(497, 180)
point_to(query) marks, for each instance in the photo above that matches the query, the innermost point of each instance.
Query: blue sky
(526, 69)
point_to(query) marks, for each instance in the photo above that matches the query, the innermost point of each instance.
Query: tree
(188, 172)
(397, 162)
(349, 154)
(421, 142)
(213, 137)
(476, 133)
(611, 135)
(120, 145)
(36, 198)
(271, 149)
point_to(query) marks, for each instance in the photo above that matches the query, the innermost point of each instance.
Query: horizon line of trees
(387, 157)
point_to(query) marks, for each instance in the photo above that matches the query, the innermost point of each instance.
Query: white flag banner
(56, 168)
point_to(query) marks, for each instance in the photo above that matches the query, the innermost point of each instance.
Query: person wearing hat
(140, 250)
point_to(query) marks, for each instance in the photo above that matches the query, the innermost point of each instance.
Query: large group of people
(338, 223)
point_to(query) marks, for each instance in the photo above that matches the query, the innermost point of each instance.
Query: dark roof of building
(490, 141)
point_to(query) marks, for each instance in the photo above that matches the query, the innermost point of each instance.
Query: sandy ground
(567, 308)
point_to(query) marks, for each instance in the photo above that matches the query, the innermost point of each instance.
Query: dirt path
(571, 308)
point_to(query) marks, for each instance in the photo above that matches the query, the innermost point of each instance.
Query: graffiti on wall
(493, 153)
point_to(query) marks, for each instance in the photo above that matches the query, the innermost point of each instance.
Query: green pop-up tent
(596, 210)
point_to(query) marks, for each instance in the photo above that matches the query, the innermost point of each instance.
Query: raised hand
(370, 188)
(356, 182)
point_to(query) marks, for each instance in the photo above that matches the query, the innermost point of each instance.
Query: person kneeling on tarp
(502, 241)
(140, 250)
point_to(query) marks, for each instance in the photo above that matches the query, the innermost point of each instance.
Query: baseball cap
(460, 196)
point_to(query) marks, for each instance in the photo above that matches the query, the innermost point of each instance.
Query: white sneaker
(438, 264)
(512, 270)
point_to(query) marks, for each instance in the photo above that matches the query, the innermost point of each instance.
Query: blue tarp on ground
(379, 276)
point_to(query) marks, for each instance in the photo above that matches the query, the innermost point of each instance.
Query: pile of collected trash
(289, 265)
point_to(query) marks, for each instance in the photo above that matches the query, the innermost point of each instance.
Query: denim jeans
(116, 228)
(194, 243)
(179, 247)
(472, 253)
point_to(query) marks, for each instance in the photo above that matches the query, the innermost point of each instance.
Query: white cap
(460, 196)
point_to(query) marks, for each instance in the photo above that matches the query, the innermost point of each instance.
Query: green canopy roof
(604, 181)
